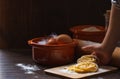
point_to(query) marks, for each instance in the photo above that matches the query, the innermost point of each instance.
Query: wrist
(108, 48)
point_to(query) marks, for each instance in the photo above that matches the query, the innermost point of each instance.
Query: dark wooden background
(21, 20)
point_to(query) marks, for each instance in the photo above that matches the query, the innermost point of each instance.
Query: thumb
(89, 48)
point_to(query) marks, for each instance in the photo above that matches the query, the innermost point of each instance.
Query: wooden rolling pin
(116, 57)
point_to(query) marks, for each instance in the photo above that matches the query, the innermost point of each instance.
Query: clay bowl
(96, 36)
(52, 55)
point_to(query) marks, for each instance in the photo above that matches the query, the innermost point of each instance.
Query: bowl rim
(34, 42)
(78, 29)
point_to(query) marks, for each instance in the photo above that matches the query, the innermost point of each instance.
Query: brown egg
(51, 41)
(63, 38)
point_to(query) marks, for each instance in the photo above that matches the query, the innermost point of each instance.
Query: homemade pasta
(86, 63)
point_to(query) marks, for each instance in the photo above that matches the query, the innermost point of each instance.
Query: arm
(105, 50)
(112, 36)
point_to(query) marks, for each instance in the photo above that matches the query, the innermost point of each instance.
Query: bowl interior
(35, 42)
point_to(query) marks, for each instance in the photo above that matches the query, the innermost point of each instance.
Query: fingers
(97, 58)
(92, 49)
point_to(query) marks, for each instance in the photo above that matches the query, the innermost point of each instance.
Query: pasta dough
(86, 63)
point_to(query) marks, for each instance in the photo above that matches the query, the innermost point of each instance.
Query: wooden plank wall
(15, 20)
(21, 20)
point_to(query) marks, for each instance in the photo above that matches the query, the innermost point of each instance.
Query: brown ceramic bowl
(52, 55)
(96, 36)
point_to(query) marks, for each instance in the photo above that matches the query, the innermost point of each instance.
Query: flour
(91, 29)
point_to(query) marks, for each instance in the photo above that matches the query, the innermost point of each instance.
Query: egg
(63, 39)
(51, 41)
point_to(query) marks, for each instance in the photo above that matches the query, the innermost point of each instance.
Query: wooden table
(13, 61)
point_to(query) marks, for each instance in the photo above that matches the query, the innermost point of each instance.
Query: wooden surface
(11, 61)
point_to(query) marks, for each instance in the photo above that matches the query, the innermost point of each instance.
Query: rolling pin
(116, 57)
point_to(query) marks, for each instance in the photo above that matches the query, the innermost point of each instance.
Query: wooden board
(62, 71)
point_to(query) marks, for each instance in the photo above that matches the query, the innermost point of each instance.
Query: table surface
(18, 64)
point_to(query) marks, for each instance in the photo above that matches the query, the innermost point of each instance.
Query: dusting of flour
(91, 29)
